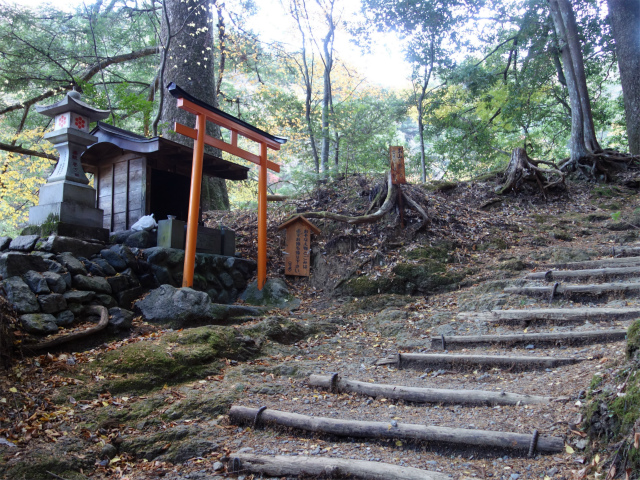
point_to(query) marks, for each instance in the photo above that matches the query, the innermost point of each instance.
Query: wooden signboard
(298, 245)
(396, 156)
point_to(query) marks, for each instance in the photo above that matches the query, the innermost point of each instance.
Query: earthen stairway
(506, 404)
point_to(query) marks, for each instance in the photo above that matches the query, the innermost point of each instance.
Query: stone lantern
(67, 197)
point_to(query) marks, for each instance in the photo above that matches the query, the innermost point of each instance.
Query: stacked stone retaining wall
(50, 280)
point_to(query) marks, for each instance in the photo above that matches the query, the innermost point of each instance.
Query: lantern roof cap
(72, 103)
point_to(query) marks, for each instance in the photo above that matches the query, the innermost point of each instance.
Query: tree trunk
(624, 16)
(571, 26)
(327, 46)
(577, 145)
(189, 63)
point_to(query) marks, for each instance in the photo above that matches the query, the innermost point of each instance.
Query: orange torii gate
(204, 112)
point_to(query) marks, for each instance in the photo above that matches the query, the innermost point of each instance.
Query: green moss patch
(177, 357)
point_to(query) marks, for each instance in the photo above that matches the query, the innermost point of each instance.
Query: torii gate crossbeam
(204, 113)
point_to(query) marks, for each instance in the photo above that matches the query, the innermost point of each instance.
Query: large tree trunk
(624, 16)
(583, 140)
(186, 30)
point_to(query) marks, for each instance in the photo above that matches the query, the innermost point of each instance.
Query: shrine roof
(114, 141)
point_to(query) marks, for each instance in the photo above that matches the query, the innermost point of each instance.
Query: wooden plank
(624, 251)
(425, 395)
(325, 467)
(554, 275)
(558, 315)
(530, 338)
(452, 360)
(405, 431)
(396, 157)
(120, 203)
(119, 221)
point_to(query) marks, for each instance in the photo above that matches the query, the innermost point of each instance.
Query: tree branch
(25, 151)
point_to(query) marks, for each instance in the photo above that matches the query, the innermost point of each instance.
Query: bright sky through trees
(385, 64)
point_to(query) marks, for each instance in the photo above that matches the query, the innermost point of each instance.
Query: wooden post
(262, 218)
(194, 203)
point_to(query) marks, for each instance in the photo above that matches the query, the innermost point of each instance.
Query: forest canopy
(487, 77)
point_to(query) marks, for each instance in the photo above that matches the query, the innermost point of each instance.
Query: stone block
(24, 243)
(108, 270)
(141, 239)
(65, 318)
(70, 213)
(107, 300)
(78, 247)
(14, 264)
(36, 282)
(55, 282)
(4, 243)
(20, 295)
(71, 263)
(94, 284)
(118, 283)
(120, 319)
(77, 296)
(114, 259)
(39, 323)
(52, 303)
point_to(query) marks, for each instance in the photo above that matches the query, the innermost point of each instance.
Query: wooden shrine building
(136, 176)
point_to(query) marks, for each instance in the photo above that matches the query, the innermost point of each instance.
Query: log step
(556, 315)
(602, 263)
(555, 275)
(396, 430)
(624, 251)
(325, 467)
(568, 290)
(425, 395)
(592, 336)
(454, 360)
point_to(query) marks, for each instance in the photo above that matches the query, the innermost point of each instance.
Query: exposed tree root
(601, 166)
(521, 169)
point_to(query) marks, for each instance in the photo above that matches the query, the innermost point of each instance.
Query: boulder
(39, 323)
(37, 282)
(20, 295)
(14, 264)
(71, 263)
(24, 243)
(118, 283)
(275, 293)
(106, 300)
(55, 282)
(52, 303)
(95, 284)
(185, 307)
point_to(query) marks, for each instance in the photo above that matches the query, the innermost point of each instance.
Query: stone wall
(49, 280)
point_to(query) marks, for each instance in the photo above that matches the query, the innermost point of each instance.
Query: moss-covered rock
(633, 339)
(440, 253)
(283, 330)
(367, 286)
(67, 460)
(426, 276)
(177, 357)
